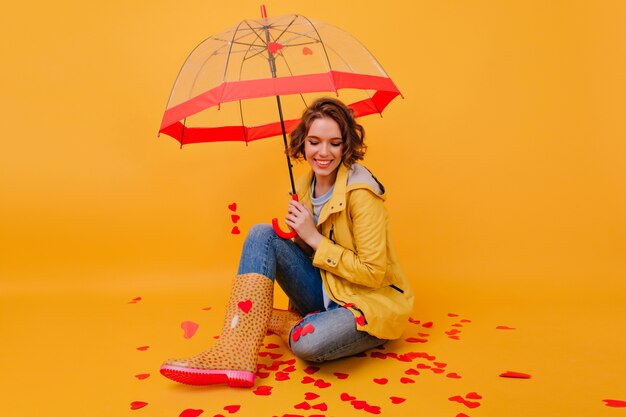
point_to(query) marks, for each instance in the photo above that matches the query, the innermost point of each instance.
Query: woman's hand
(301, 220)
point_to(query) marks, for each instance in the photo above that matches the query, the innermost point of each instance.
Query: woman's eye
(337, 144)
(311, 142)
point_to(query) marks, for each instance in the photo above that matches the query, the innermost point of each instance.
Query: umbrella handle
(285, 235)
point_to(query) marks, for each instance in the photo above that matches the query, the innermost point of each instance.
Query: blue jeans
(335, 335)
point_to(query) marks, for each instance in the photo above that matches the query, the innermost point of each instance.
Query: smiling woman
(340, 272)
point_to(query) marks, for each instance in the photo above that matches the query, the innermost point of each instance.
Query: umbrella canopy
(226, 90)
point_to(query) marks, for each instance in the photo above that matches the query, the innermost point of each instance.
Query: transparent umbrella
(253, 80)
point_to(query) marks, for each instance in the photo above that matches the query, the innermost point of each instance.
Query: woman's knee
(309, 350)
(260, 232)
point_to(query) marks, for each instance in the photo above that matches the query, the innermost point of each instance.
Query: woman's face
(323, 147)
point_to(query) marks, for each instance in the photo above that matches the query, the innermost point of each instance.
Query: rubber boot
(233, 359)
(282, 321)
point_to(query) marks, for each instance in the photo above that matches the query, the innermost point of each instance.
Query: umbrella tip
(263, 12)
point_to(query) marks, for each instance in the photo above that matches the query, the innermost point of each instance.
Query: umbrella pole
(282, 125)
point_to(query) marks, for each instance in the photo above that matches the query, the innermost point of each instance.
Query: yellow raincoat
(356, 258)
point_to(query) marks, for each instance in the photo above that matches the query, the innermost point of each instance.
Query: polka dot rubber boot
(233, 359)
(282, 322)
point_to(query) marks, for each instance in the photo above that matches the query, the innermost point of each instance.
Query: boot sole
(191, 376)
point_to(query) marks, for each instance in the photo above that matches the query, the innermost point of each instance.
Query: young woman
(340, 272)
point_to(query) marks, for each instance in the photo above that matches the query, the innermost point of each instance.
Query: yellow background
(505, 165)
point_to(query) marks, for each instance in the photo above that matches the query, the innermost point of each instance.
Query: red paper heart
(232, 408)
(437, 370)
(296, 333)
(311, 370)
(457, 398)
(320, 406)
(454, 375)
(416, 340)
(614, 403)
(290, 369)
(136, 405)
(346, 397)
(189, 329)
(262, 374)
(512, 374)
(422, 366)
(245, 306)
(471, 404)
(235, 231)
(440, 364)
(397, 400)
(272, 346)
(302, 406)
(341, 375)
(414, 321)
(308, 328)
(505, 328)
(412, 371)
(307, 51)
(307, 380)
(452, 315)
(457, 325)
(310, 396)
(274, 47)
(190, 412)
(142, 376)
(358, 404)
(381, 381)
(320, 383)
(360, 321)
(282, 376)
(234, 218)
(473, 396)
(462, 415)
(232, 207)
(372, 409)
(428, 325)
(379, 355)
(407, 380)
(143, 348)
(206, 308)
(466, 321)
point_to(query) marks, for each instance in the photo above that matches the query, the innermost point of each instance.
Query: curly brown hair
(352, 133)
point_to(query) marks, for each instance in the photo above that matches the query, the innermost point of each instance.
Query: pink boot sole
(191, 376)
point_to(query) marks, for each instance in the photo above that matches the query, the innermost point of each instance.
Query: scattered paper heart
(142, 376)
(346, 397)
(307, 51)
(340, 375)
(274, 47)
(473, 396)
(311, 370)
(397, 400)
(302, 406)
(320, 383)
(614, 403)
(232, 207)
(189, 329)
(307, 380)
(310, 396)
(505, 328)
(232, 408)
(136, 405)
(512, 374)
(360, 321)
(412, 371)
(263, 390)
(453, 375)
(405, 380)
(372, 409)
(143, 348)
(428, 325)
(320, 406)
(307, 328)
(234, 218)
(190, 412)
(381, 381)
(235, 231)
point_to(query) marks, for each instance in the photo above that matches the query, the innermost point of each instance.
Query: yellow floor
(73, 350)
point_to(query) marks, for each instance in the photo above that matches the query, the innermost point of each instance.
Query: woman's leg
(330, 335)
(267, 254)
